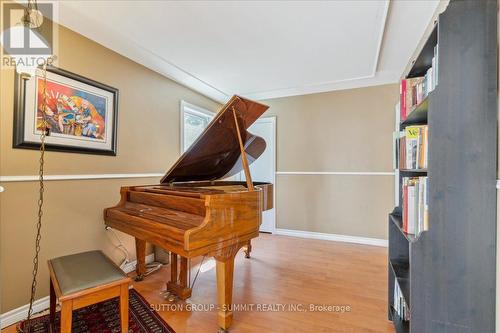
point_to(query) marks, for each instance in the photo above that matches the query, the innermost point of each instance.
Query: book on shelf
(413, 91)
(415, 205)
(413, 148)
(399, 303)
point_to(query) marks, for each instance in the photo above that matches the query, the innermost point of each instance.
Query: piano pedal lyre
(164, 292)
(178, 284)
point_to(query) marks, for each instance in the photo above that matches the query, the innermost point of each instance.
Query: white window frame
(187, 107)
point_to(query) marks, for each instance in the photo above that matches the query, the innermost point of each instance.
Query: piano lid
(216, 152)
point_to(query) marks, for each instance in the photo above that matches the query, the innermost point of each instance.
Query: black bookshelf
(447, 274)
(424, 59)
(400, 325)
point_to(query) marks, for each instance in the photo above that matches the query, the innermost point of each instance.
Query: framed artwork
(81, 113)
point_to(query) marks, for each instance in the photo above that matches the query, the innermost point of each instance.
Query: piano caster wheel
(139, 278)
(247, 255)
(221, 330)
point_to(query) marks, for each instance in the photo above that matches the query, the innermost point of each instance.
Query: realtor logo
(28, 33)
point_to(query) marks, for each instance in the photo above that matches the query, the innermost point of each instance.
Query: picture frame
(82, 114)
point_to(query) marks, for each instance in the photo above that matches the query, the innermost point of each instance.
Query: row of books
(413, 147)
(415, 90)
(415, 204)
(399, 302)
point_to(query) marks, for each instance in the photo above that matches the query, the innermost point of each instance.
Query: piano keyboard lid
(216, 152)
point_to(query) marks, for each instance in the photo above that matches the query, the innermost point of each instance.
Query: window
(194, 120)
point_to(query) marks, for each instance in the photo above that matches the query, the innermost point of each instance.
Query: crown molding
(380, 78)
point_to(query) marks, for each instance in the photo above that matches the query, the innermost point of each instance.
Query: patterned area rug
(105, 318)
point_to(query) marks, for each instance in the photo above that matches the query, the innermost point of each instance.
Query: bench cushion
(85, 270)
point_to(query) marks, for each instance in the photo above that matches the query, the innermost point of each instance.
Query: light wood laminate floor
(285, 271)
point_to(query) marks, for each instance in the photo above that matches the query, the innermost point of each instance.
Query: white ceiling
(259, 49)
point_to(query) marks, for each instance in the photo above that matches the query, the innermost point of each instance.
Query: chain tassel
(38, 238)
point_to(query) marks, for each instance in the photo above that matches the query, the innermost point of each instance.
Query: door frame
(272, 121)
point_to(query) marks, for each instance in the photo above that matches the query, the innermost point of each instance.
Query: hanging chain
(38, 238)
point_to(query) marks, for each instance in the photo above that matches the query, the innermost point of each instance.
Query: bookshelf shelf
(401, 271)
(396, 219)
(447, 274)
(419, 115)
(400, 325)
(424, 59)
(415, 172)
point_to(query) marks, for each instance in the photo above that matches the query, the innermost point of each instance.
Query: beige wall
(348, 130)
(339, 131)
(148, 141)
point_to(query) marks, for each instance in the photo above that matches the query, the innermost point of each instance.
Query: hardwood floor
(286, 270)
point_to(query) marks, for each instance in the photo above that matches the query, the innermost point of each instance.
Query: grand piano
(192, 212)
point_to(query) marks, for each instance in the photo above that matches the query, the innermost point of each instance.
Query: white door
(263, 169)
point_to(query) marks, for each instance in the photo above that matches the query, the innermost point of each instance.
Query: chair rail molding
(338, 173)
(31, 178)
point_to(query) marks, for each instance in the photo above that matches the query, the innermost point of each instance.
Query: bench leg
(124, 307)
(66, 316)
(52, 307)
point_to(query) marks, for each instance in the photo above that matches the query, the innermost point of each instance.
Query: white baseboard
(331, 237)
(13, 316)
(130, 267)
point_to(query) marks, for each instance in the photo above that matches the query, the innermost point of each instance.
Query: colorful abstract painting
(71, 111)
(80, 114)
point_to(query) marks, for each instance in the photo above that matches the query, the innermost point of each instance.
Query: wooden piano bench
(83, 279)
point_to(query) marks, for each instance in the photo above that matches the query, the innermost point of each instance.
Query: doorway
(264, 168)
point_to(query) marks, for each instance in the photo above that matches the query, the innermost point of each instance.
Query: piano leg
(248, 249)
(225, 268)
(183, 274)
(173, 267)
(140, 250)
